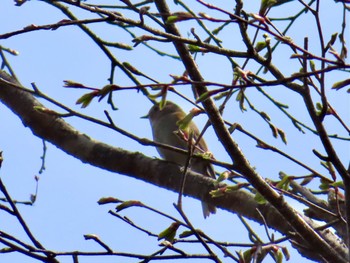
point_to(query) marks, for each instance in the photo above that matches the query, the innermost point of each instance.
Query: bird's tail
(208, 209)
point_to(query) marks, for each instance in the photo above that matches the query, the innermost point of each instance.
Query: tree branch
(55, 130)
(308, 233)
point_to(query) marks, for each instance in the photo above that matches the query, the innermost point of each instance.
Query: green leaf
(194, 48)
(128, 204)
(324, 186)
(233, 188)
(184, 123)
(260, 199)
(217, 30)
(341, 84)
(169, 233)
(339, 184)
(319, 106)
(108, 200)
(240, 98)
(162, 101)
(45, 110)
(171, 19)
(131, 68)
(202, 97)
(283, 135)
(72, 84)
(227, 189)
(284, 183)
(221, 95)
(285, 253)
(265, 116)
(86, 99)
(155, 96)
(232, 128)
(106, 90)
(178, 16)
(223, 176)
(247, 255)
(312, 65)
(266, 4)
(274, 130)
(206, 155)
(260, 46)
(186, 233)
(218, 192)
(306, 180)
(281, 2)
(331, 41)
(279, 256)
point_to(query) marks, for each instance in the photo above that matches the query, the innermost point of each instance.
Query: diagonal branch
(309, 234)
(55, 130)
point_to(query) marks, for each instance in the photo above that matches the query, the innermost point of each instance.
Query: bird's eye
(154, 110)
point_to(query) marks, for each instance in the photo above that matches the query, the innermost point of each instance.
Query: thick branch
(65, 137)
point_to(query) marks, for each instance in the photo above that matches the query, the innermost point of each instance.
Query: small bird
(164, 128)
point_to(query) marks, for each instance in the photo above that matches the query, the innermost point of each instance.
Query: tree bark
(167, 175)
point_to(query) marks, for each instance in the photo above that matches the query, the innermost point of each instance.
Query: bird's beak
(145, 117)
